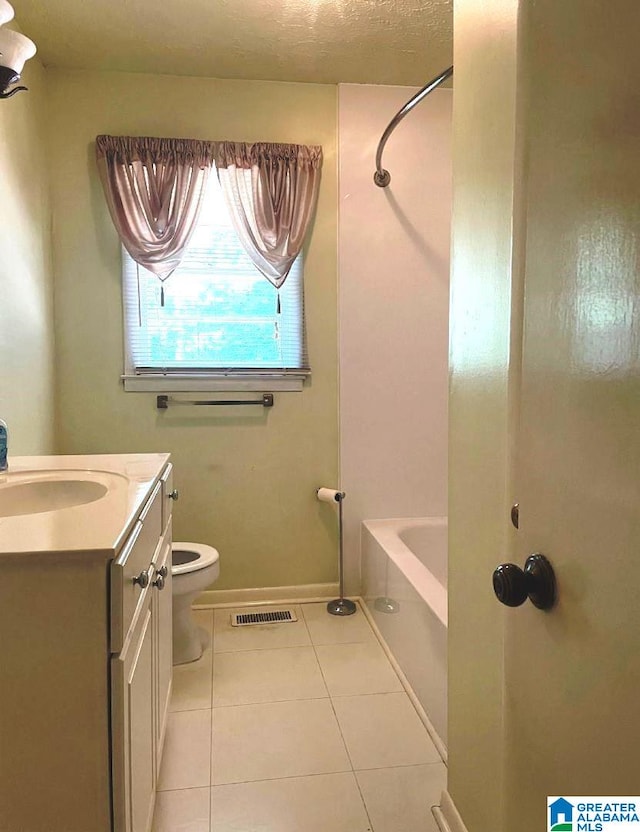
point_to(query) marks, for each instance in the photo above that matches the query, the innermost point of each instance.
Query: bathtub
(404, 577)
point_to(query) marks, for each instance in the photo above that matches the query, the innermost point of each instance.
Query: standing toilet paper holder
(341, 605)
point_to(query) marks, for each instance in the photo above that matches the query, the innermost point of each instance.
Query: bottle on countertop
(4, 446)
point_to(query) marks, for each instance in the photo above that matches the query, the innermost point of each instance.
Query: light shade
(15, 49)
(6, 12)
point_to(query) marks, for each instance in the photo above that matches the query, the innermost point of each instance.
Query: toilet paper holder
(341, 605)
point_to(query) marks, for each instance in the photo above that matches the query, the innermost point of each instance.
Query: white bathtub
(404, 571)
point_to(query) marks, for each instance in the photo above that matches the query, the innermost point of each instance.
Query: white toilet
(195, 566)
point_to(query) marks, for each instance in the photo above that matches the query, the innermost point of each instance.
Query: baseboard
(267, 595)
(437, 741)
(447, 816)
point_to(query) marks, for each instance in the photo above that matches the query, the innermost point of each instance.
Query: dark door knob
(537, 582)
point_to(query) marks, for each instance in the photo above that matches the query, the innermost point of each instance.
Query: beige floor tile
(184, 810)
(252, 676)
(297, 804)
(383, 730)
(191, 690)
(400, 799)
(352, 669)
(336, 629)
(280, 739)
(186, 758)
(259, 636)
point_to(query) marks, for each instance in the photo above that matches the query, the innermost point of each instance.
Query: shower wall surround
(393, 307)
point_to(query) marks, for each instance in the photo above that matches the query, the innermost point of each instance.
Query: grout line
(213, 658)
(272, 702)
(344, 742)
(274, 779)
(261, 649)
(213, 652)
(401, 765)
(286, 777)
(417, 705)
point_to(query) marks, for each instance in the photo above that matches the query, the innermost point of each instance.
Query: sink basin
(36, 493)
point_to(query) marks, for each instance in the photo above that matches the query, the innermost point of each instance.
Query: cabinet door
(134, 734)
(163, 622)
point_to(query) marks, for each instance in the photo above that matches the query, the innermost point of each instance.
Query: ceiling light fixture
(15, 49)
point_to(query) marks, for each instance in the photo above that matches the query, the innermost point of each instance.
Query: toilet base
(189, 640)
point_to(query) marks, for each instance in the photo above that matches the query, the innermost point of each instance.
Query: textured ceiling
(321, 41)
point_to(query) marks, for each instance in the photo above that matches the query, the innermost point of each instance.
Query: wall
(484, 363)
(247, 477)
(26, 313)
(393, 309)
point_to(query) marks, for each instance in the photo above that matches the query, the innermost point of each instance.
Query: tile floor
(296, 727)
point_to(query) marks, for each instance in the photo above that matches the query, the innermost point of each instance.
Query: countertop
(98, 527)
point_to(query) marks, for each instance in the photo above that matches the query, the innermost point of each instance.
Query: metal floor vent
(245, 619)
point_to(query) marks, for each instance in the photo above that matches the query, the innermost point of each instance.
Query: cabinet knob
(142, 579)
(173, 495)
(537, 582)
(159, 581)
(164, 571)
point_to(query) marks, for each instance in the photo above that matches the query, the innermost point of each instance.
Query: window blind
(219, 315)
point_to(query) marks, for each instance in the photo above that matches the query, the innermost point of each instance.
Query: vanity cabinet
(141, 664)
(85, 669)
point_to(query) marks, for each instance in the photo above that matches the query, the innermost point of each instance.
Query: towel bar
(163, 402)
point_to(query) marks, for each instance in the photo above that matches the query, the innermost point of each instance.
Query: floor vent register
(246, 619)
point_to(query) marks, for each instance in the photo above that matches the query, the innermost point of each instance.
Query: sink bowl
(47, 491)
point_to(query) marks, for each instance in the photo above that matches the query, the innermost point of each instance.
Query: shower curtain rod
(382, 177)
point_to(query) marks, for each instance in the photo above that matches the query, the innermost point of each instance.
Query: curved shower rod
(382, 177)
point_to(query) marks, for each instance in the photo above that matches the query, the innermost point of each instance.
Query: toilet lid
(204, 556)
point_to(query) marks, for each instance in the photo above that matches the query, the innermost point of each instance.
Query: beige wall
(247, 477)
(482, 368)
(26, 315)
(394, 309)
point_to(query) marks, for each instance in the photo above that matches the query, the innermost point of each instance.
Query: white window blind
(219, 317)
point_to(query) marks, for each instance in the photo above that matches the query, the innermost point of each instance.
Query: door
(163, 637)
(133, 681)
(572, 675)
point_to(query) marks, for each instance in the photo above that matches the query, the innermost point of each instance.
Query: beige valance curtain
(271, 191)
(154, 188)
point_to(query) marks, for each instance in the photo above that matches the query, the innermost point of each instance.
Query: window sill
(277, 383)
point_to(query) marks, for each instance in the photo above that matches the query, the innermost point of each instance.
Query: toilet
(195, 566)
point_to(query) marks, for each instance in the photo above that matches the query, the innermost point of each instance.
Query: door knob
(537, 582)
(142, 579)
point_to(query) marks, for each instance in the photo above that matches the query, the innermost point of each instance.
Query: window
(219, 327)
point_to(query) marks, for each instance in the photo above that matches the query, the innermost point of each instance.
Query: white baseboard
(447, 816)
(267, 595)
(437, 741)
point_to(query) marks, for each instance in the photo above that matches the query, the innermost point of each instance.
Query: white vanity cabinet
(142, 662)
(85, 666)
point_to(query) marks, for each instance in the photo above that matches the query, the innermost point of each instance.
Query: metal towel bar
(163, 402)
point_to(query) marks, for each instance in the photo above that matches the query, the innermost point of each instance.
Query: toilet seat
(204, 556)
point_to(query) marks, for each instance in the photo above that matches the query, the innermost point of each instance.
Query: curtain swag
(154, 188)
(271, 191)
